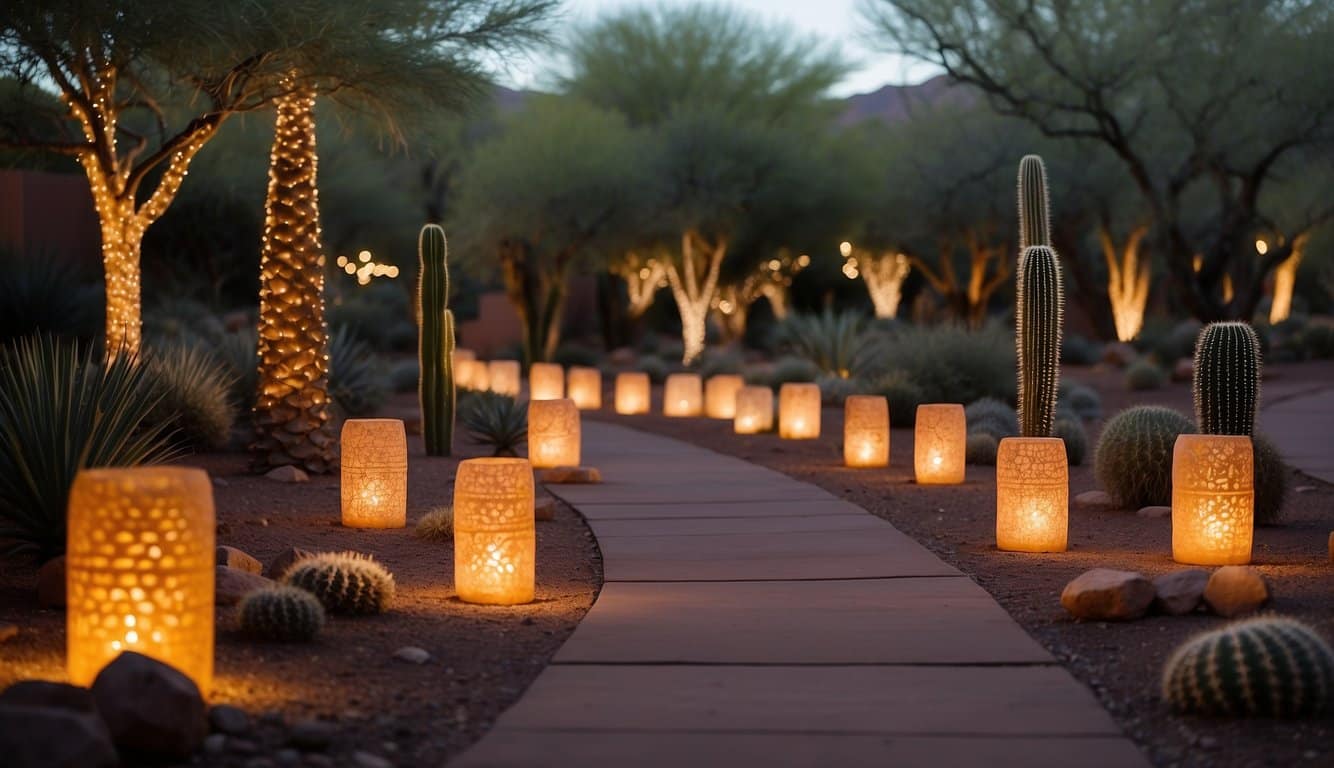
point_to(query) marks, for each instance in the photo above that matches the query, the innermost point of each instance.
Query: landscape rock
(215, 743)
(288, 474)
(285, 559)
(43, 693)
(1104, 594)
(53, 737)
(230, 720)
(545, 509)
(1096, 500)
(312, 735)
(367, 760)
(1154, 511)
(1234, 590)
(234, 584)
(235, 558)
(51, 583)
(150, 707)
(1179, 592)
(1119, 354)
(571, 476)
(412, 654)
(1183, 369)
(8, 630)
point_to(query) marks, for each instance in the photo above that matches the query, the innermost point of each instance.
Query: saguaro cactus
(1227, 379)
(1034, 216)
(435, 351)
(1039, 314)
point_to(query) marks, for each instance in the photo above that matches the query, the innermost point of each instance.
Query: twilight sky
(835, 20)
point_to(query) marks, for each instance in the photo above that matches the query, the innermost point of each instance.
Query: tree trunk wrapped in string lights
(292, 409)
(883, 273)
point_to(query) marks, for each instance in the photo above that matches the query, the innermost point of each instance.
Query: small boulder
(51, 583)
(1095, 500)
(1183, 369)
(150, 707)
(1179, 592)
(288, 474)
(233, 584)
(285, 559)
(1103, 594)
(230, 720)
(235, 558)
(1234, 590)
(1154, 512)
(53, 737)
(545, 509)
(312, 735)
(1119, 354)
(412, 654)
(571, 476)
(8, 630)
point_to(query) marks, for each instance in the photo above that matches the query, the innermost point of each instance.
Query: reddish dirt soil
(483, 657)
(1120, 662)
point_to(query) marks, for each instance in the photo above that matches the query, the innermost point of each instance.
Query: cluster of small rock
(1105, 594)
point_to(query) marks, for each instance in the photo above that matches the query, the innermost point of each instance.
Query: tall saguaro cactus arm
(1040, 310)
(1034, 213)
(1227, 379)
(435, 351)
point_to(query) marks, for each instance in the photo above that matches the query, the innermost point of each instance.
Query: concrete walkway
(751, 619)
(1301, 424)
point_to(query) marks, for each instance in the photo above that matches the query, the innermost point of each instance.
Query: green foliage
(194, 391)
(437, 524)
(981, 448)
(1268, 666)
(344, 582)
(835, 389)
(1076, 439)
(788, 370)
(950, 364)
(435, 354)
(238, 352)
(990, 416)
(62, 410)
(1271, 481)
(837, 344)
(280, 614)
(181, 320)
(717, 361)
(1144, 374)
(1227, 379)
(1081, 400)
(1078, 350)
(495, 420)
(357, 382)
(1039, 317)
(404, 376)
(903, 394)
(1133, 460)
(40, 294)
(656, 368)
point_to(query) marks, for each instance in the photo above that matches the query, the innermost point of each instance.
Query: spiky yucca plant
(280, 614)
(344, 582)
(498, 421)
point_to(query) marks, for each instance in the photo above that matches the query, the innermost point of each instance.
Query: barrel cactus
(1262, 667)
(280, 614)
(1034, 217)
(1038, 331)
(1227, 379)
(435, 349)
(344, 582)
(1133, 460)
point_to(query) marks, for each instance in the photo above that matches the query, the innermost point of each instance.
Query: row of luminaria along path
(751, 619)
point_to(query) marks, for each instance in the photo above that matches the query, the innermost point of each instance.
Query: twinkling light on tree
(771, 280)
(883, 274)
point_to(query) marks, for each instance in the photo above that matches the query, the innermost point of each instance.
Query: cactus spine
(1267, 667)
(1039, 315)
(1034, 216)
(435, 351)
(1227, 379)
(344, 582)
(280, 614)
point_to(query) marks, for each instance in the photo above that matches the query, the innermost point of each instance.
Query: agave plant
(495, 420)
(358, 383)
(195, 397)
(837, 344)
(62, 410)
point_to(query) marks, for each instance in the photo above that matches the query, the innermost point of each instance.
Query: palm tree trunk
(292, 409)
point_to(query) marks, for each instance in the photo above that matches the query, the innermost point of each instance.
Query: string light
(643, 277)
(770, 280)
(365, 269)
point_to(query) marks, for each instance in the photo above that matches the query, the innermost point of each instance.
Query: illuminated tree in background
(769, 280)
(643, 276)
(883, 273)
(1285, 279)
(1127, 281)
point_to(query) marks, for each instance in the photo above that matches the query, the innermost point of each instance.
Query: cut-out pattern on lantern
(553, 433)
(939, 444)
(473, 374)
(504, 377)
(683, 395)
(866, 431)
(495, 542)
(632, 393)
(754, 411)
(799, 411)
(1032, 494)
(374, 483)
(720, 395)
(139, 570)
(1213, 499)
(546, 381)
(585, 387)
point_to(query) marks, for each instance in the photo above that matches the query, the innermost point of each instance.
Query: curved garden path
(1300, 421)
(751, 619)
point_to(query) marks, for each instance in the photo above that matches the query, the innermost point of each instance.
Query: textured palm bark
(292, 421)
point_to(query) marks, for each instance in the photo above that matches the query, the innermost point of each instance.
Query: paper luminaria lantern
(546, 381)
(1213, 499)
(682, 395)
(799, 411)
(139, 570)
(374, 483)
(472, 374)
(504, 376)
(584, 387)
(720, 395)
(754, 411)
(866, 431)
(1032, 494)
(495, 542)
(939, 444)
(553, 433)
(632, 393)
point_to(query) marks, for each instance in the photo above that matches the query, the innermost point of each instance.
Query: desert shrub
(357, 381)
(1317, 340)
(1177, 342)
(1076, 439)
(437, 524)
(1133, 460)
(835, 389)
(990, 416)
(494, 420)
(63, 409)
(39, 294)
(1271, 481)
(656, 368)
(787, 370)
(1078, 350)
(181, 320)
(238, 351)
(903, 395)
(950, 364)
(404, 376)
(573, 353)
(717, 361)
(981, 448)
(344, 582)
(1144, 375)
(836, 344)
(195, 401)
(1081, 400)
